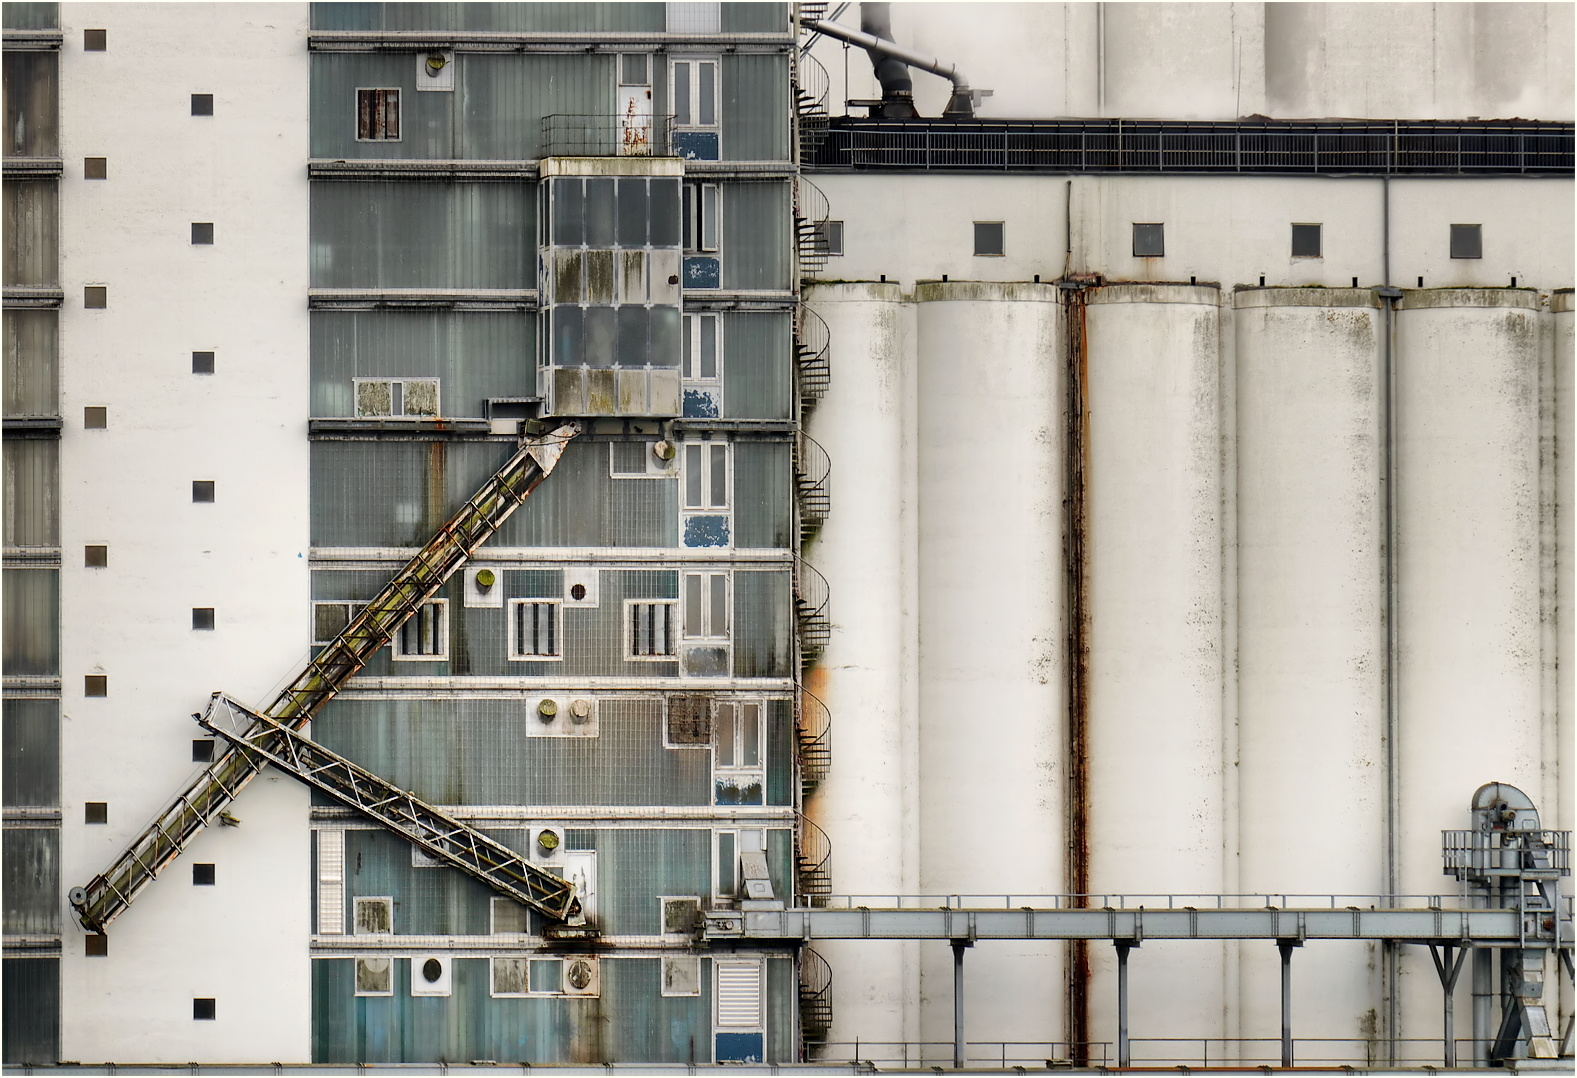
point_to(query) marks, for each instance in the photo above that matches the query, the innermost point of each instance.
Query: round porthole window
(432, 969)
(577, 592)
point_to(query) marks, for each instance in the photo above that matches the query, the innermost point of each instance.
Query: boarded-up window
(378, 115)
(510, 976)
(680, 916)
(651, 630)
(535, 629)
(374, 916)
(690, 720)
(374, 976)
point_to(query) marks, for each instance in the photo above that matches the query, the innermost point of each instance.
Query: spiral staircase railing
(815, 1000)
(811, 90)
(812, 353)
(810, 608)
(813, 862)
(812, 479)
(810, 226)
(813, 731)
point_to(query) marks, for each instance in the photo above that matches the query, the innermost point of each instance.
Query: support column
(958, 1003)
(1123, 1053)
(1285, 947)
(1448, 970)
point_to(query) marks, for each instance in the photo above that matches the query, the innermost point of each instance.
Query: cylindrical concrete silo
(1468, 581)
(866, 552)
(991, 639)
(1155, 639)
(1565, 595)
(1311, 608)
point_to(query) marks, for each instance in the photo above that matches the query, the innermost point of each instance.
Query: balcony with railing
(607, 135)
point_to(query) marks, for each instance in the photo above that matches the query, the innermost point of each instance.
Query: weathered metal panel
(30, 1019)
(30, 868)
(755, 18)
(401, 235)
(781, 1003)
(763, 633)
(30, 750)
(633, 867)
(502, 17)
(762, 496)
(20, 15)
(372, 494)
(780, 752)
(581, 505)
(479, 752)
(757, 365)
(31, 622)
(756, 235)
(32, 364)
(473, 354)
(755, 113)
(32, 230)
(427, 901)
(31, 468)
(648, 1027)
(32, 104)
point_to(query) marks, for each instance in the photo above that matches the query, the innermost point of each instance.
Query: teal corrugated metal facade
(630, 577)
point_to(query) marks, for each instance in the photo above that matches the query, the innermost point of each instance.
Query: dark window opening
(203, 1010)
(203, 750)
(202, 363)
(96, 812)
(378, 115)
(1306, 241)
(95, 297)
(202, 233)
(95, 168)
(202, 875)
(202, 490)
(95, 418)
(829, 237)
(95, 557)
(95, 40)
(202, 617)
(989, 239)
(202, 104)
(95, 685)
(98, 946)
(1149, 240)
(1467, 241)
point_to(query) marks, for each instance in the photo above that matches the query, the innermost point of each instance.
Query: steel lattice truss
(262, 739)
(107, 895)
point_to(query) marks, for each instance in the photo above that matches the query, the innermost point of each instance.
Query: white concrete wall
(1221, 61)
(244, 941)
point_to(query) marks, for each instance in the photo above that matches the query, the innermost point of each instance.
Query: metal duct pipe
(899, 93)
(891, 72)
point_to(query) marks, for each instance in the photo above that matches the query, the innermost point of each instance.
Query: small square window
(202, 875)
(829, 237)
(202, 617)
(95, 685)
(535, 629)
(98, 945)
(378, 115)
(682, 975)
(202, 363)
(95, 168)
(988, 239)
(651, 630)
(330, 619)
(95, 297)
(510, 976)
(202, 233)
(1467, 241)
(95, 557)
(635, 69)
(680, 916)
(95, 40)
(1149, 241)
(202, 104)
(425, 634)
(95, 418)
(96, 812)
(203, 1010)
(1306, 241)
(375, 976)
(374, 916)
(202, 750)
(202, 490)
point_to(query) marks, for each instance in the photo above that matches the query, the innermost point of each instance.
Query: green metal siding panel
(32, 363)
(757, 365)
(474, 355)
(423, 235)
(30, 867)
(780, 752)
(31, 622)
(30, 744)
(762, 496)
(755, 18)
(31, 470)
(427, 901)
(32, 230)
(32, 104)
(31, 16)
(581, 505)
(30, 1014)
(755, 107)
(782, 1010)
(762, 632)
(518, 18)
(635, 866)
(649, 1027)
(756, 235)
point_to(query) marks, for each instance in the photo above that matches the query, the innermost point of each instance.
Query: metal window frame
(1320, 239)
(675, 625)
(716, 60)
(403, 380)
(692, 338)
(1003, 237)
(355, 914)
(1478, 235)
(397, 640)
(356, 112)
(709, 631)
(1137, 225)
(515, 652)
(492, 976)
(707, 508)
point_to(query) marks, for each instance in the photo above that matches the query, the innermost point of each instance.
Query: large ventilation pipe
(891, 60)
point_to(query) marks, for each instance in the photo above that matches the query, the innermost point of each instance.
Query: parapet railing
(606, 135)
(1256, 901)
(1147, 1052)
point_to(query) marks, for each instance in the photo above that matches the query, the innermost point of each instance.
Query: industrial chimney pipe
(890, 60)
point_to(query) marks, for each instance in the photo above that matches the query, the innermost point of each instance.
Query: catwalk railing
(205, 799)
(1367, 147)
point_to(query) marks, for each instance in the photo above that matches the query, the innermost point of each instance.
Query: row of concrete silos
(1255, 512)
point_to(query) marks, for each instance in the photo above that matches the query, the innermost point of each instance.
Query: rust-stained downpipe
(1076, 584)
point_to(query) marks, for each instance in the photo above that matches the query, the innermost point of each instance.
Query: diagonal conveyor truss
(414, 820)
(108, 894)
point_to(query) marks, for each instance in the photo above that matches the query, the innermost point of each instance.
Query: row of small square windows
(1149, 240)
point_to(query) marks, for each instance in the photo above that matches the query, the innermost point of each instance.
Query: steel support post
(958, 1003)
(1285, 947)
(1483, 1001)
(1448, 968)
(1123, 1053)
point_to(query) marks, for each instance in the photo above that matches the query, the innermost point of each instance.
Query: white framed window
(706, 606)
(509, 976)
(375, 976)
(829, 237)
(728, 847)
(536, 629)
(377, 114)
(649, 628)
(692, 87)
(706, 470)
(413, 397)
(701, 216)
(331, 882)
(738, 735)
(703, 348)
(425, 635)
(679, 914)
(374, 916)
(330, 619)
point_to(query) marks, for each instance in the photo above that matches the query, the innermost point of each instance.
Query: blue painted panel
(706, 531)
(739, 1047)
(702, 271)
(695, 145)
(701, 404)
(740, 793)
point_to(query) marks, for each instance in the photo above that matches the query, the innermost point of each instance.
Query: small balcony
(635, 135)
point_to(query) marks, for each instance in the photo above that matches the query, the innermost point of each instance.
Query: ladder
(443, 837)
(107, 895)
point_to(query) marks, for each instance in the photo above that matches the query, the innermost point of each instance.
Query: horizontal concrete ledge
(32, 426)
(985, 292)
(343, 429)
(1245, 297)
(24, 296)
(610, 166)
(1561, 301)
(26, 168)
(1205, 295)
(32, 40)
(366, 299)
(579, 41)
(854, 292)
(1424, 298)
